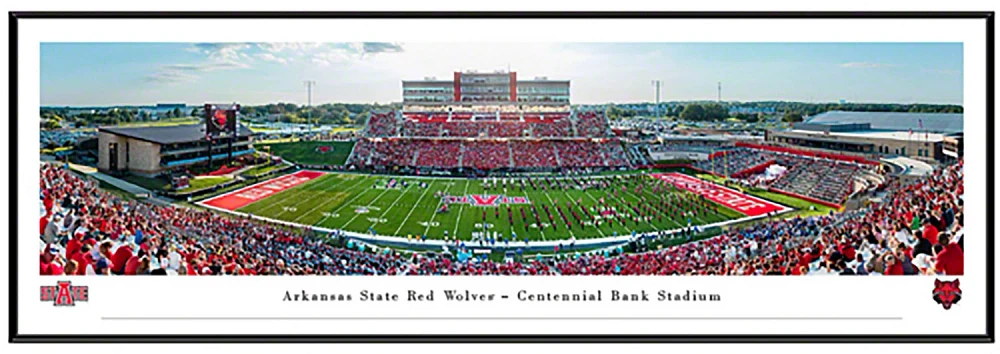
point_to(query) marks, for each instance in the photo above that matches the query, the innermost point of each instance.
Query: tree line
(789, 111)
(327, 113)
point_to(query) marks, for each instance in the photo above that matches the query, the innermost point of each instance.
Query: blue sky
(86, 74)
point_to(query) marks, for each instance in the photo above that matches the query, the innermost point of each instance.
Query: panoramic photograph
(538, 159)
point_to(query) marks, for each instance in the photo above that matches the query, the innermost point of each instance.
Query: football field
(539, 209)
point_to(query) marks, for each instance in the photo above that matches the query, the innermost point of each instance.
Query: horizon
(144, 74)
(573, 104)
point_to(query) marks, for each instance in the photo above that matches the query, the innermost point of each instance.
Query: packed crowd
(87, 231)
(825, 180)
(425, 125)
(915, 229)
(488, 154)
(591, 124)
(533, 153)
(734, 161)
(382, 124)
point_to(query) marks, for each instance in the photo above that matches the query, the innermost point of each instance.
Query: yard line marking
(696, 218)
(344, 227)
(595, 201)
(326, 202)
(394, 202)
(317, 195)
(460, 208)
(669, 218)
(428, 189)
(296, 194)
(616, 211)
(438, 206)
(317, 181)
(362, 181)
(546, 192)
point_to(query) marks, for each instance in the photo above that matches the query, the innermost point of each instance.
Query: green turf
(151, 183)
(305, 152)
(167, 122)
(350, 202)
(260, 170)
(162, 184)
(206, 182)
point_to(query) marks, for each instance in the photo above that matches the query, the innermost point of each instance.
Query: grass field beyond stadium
(364, 203)
(332, 153)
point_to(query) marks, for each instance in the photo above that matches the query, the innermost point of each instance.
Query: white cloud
(864, 65)
(277, 47)
(271, 57)
(222, 51)
(170, 77)
(178, 73)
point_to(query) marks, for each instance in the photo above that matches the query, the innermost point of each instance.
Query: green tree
(177, 112)
(693, 112)
(792, 117)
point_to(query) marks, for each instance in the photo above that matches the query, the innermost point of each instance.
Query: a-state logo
(64, 294)
(485, 200)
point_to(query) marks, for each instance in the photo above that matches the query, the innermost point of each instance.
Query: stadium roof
(947, 123)
(168, 134)
(879, 134)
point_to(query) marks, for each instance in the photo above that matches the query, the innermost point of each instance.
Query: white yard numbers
(429, 224)
(330, 215)
(291, 209)
(378, 220)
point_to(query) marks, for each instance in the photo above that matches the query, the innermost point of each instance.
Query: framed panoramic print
(501, 177)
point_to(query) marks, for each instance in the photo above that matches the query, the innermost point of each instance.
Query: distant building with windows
(923, 136)
(491, 91)
(154, 150)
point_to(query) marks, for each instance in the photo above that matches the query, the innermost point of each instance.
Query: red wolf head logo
(947, 293)
(219, 119)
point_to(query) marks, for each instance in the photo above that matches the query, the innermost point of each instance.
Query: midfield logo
(485, 200)
(64, 294)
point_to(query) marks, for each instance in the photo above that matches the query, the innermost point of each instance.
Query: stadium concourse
(912, 228)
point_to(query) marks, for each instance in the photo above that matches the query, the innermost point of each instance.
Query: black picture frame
(15, 337)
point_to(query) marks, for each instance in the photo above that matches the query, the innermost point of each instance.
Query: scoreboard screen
(220, 118)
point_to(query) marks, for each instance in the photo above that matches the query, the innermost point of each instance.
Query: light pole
(309, 92)
(656, 109)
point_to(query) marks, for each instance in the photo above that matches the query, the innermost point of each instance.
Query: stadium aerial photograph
(543, 159)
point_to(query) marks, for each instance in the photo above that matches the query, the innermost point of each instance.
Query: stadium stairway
(461, 152)
(510, 154)
(572, 123)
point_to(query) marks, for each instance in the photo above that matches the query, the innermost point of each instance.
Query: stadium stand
(733, 162)
(533, 140)
(916, 229)
(591, 124)
(382, 124)
(825, 180)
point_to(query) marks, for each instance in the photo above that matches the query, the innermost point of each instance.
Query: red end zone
(247, 195)
(733, 199)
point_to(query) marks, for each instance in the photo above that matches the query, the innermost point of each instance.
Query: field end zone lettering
(240, 198)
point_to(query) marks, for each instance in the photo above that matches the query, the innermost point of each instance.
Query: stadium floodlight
(656, 109)
(309, 99)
